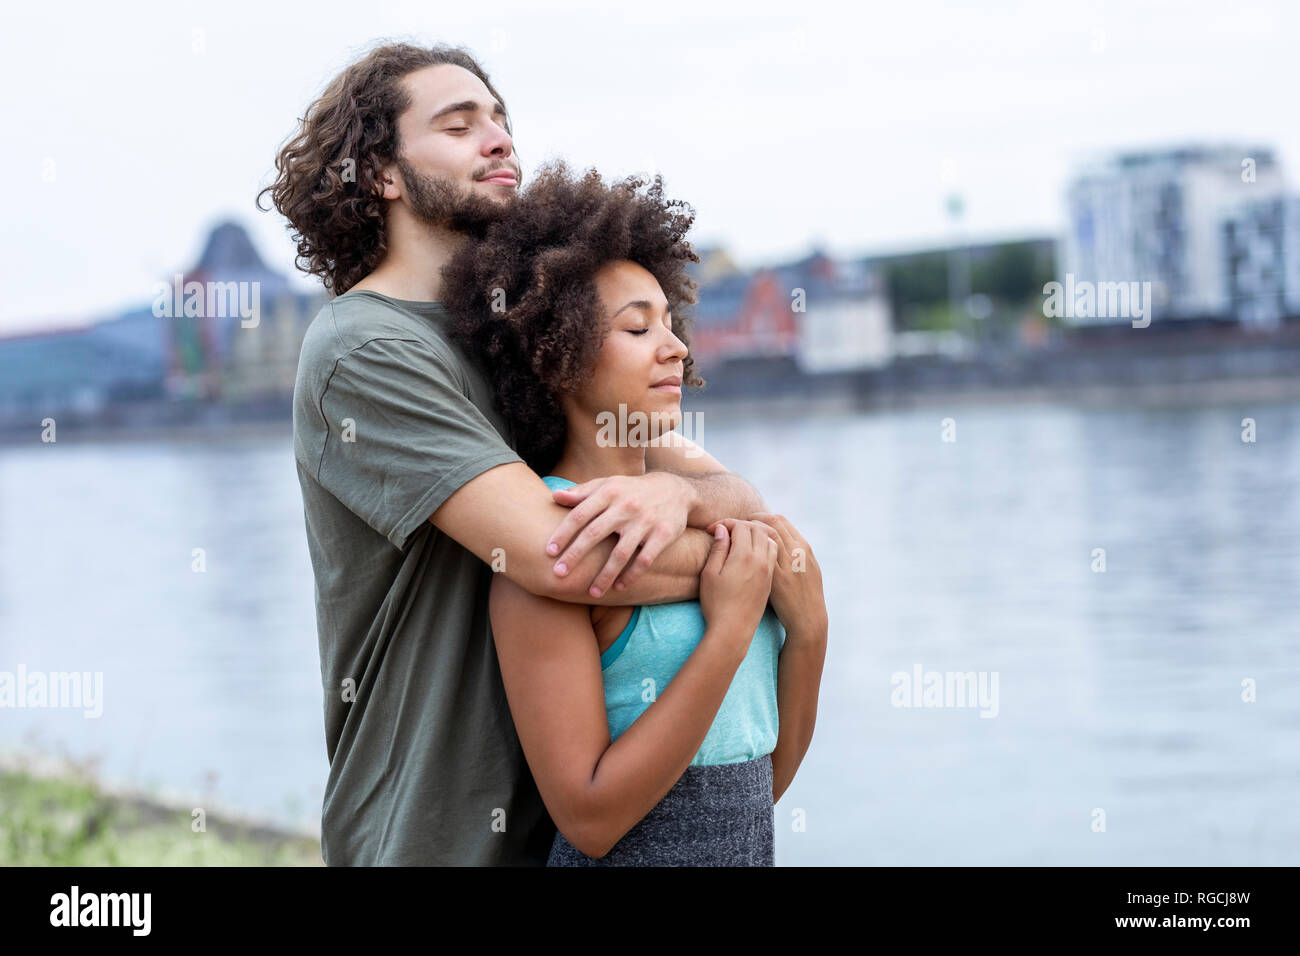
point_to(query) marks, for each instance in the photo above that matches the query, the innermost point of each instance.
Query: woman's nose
(675, 346)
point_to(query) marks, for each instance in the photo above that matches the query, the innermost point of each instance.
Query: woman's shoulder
(505, 597)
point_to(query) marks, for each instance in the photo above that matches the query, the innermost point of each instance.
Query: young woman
(659, 734)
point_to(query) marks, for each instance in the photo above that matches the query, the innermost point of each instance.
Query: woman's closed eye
(638, 331)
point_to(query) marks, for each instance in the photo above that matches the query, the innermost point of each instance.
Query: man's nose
(500, 145)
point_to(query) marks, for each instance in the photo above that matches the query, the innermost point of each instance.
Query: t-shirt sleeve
(401, 435)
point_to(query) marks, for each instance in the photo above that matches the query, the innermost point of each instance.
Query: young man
(410, 482)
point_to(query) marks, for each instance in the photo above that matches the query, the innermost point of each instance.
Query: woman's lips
(674, 389)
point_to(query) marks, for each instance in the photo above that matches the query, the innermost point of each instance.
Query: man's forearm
(674, 576)
(720, 495)
(712, 491)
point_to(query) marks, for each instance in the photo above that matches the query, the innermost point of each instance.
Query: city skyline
(788, 131)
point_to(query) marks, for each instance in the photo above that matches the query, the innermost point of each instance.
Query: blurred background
(1000, 308)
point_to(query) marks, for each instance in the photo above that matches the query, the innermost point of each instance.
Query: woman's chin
(668, 419)
(663, 414)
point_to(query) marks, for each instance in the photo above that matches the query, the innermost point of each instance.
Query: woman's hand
(737, 578)
(797, 596)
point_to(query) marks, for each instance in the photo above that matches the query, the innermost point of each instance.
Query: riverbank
(57, 812)
(823, 399)
(949, 399)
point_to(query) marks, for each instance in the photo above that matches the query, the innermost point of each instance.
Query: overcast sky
(129, 134)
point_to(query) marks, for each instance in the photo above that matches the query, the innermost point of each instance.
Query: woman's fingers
(742, 542)
(731, 524)
(782, 557)
(780, 527)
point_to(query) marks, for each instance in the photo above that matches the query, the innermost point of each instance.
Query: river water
(1140, 711)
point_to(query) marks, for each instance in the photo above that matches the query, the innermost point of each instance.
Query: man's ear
(388, 182)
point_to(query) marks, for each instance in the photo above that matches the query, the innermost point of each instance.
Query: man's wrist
(689, 492)
(713, 497)
(695, 517)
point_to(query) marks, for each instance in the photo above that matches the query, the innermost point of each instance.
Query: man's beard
(441, 202)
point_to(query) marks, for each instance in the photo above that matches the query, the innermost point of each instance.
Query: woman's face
(639, 351)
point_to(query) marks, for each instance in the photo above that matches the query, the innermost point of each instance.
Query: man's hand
(646, 511)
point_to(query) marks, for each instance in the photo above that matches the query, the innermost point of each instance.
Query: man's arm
(715, 492)
(394, 437)
(506, 515)
(647, 511)
(683, 487)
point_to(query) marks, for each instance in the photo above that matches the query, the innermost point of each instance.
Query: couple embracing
(536, 647)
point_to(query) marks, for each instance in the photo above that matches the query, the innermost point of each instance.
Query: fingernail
(595, 592)
(561, 568)
(552, 548)
(721, 532)
(619, 586)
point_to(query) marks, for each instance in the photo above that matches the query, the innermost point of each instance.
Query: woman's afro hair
(524, 304)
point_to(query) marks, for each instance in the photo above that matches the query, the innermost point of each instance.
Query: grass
(69, 819)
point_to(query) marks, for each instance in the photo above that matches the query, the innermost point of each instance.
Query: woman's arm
(595, 790)
(799, 677)
(800, 605)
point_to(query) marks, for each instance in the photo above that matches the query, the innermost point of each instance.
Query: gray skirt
(719, 815)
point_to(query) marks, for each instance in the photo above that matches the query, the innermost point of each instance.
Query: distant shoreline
(1110, 395)
(1157, 395)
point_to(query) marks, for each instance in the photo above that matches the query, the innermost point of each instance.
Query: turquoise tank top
(653, 647)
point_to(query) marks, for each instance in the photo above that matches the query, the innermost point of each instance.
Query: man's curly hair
(524, 303)
(328, 175)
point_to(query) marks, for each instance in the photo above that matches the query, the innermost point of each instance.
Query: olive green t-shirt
(390, 417)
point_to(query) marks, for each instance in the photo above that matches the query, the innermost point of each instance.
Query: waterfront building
(1157, 216)
(1261, 241)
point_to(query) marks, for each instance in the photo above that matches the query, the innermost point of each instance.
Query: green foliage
(939, 317)
(917, 279)
(72, 822)
(1012, 274)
